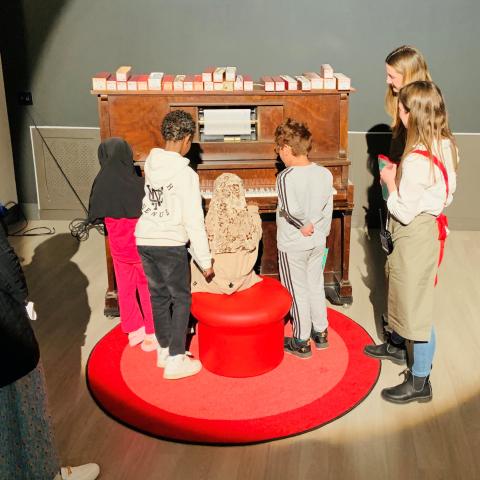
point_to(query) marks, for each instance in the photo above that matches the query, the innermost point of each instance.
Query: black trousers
(168, 273)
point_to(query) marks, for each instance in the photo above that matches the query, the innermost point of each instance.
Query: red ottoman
(241, 335)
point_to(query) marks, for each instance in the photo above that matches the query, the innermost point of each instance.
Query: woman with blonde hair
(423, 187)
(403, 65)
(234, 231)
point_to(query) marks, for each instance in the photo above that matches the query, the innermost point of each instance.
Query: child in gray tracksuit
(304, 216)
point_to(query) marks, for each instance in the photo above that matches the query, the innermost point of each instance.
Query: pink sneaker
(149, 343)
(136, 337)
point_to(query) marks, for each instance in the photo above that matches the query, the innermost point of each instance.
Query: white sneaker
(162, 356)
(89, 471)
(180, 366)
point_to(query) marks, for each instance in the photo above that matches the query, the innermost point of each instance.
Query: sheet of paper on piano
(226, 121)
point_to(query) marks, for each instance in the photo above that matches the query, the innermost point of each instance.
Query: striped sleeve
(290, 208)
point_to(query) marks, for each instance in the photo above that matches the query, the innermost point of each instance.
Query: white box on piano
(188, 83)
(247, 83)
(304, 83)
(123, 73)
(238, 84)
(228, 86)
(343, 82)
(330, 83)
(99, 81)
(178, 83)
(218, 86)
(269, 84)
(230, 74)
(121, 85)
(167, 82)
(326, 70)
(208, 86)
(155, 81)
(207, 74)
(142, 82)
(111, 84)
(218, 74)
(290, 82)
(132, 83)
(279, 83)
(316, 80)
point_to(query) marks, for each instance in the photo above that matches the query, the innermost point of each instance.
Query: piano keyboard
(250, 193)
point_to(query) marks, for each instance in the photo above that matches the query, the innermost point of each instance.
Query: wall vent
(75, 149)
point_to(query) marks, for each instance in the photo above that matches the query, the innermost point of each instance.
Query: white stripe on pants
(302, 274)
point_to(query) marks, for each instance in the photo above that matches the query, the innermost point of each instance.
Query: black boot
(413, 389)
(396, 353)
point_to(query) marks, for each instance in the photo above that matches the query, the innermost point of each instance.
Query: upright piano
(136, 116)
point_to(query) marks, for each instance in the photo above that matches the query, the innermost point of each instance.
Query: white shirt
(422, 188)
(172, 207)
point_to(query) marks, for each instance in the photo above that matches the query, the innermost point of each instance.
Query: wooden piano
(136, 116)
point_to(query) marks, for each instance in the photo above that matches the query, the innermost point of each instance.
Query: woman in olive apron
(418, 193)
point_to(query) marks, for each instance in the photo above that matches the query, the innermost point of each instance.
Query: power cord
(31, 232)
(80, 228)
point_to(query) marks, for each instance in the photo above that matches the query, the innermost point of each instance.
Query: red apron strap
(440, 165)
(442, 220)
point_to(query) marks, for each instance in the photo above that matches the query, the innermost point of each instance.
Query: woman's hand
(388, 175)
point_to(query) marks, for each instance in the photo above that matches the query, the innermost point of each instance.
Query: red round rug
(299, 395)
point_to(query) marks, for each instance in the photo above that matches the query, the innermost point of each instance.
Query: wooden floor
(377, 440)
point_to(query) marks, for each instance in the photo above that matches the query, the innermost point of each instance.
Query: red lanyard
(442, 220)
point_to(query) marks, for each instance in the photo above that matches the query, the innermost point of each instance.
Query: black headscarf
(117, 190)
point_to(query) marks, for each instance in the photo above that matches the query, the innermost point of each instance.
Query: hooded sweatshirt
(172, 211)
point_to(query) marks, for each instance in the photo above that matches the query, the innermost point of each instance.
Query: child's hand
(208, 274)
(388, 174)
(307, 230)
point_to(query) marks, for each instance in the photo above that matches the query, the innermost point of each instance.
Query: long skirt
(411, 270)
(27, 449)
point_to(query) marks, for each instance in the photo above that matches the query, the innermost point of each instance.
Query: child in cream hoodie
(172, 216)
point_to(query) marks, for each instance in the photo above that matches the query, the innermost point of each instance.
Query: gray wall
(8, 192)
(53, 47)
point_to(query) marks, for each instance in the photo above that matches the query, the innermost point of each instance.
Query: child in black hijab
(116, 199)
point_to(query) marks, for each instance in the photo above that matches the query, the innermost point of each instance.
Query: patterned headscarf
(230, 226)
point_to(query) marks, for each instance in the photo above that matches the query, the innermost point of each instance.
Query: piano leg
(338, 288)
(268, 255)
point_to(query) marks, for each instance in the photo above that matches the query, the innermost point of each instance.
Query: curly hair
(294, 134)
(177, 125)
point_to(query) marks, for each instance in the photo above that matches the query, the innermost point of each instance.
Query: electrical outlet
(25, 98)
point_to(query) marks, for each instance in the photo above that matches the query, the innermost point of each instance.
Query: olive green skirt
(411, 270)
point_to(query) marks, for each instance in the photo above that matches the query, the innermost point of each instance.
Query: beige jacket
(233, 271)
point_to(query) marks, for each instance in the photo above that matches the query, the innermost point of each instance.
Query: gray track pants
(302, 274)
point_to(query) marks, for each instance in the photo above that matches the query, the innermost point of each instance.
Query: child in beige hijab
(234, 231)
